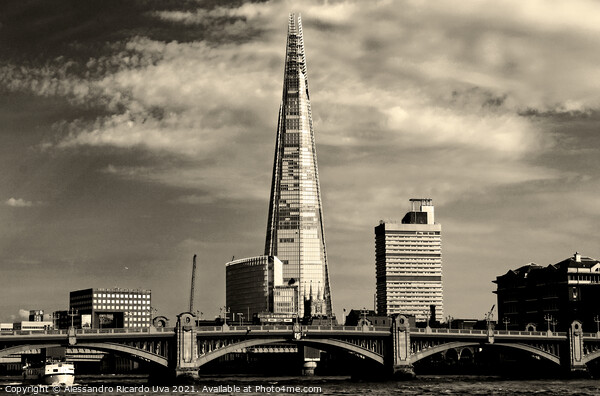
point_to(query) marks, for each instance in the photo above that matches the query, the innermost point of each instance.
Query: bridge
(185, 348)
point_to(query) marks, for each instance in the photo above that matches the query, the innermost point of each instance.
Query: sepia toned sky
(135, 134)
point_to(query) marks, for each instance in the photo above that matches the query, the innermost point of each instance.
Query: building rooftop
(575, 261)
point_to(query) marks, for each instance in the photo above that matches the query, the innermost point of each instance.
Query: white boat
(50, 373)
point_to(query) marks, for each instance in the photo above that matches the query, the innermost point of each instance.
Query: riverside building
(111, 308)
(408, 260)
(551, 297)
(254, 285)
(295, 231)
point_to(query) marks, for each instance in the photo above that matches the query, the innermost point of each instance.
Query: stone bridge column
(576, 347)
(187, 349)
(401, 355)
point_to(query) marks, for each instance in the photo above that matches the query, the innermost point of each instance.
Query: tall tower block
(295, 225)
(408, 261)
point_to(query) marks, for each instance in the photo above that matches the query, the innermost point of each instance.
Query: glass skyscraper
(295, 224)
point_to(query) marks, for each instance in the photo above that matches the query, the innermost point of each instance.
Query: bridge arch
(524, 347)
(128, 350)
(440, 348)
(217, 353)
(325, 344)
(24, 348)
(105, 346)
(328, 344)
(536, 351)
(591, 356)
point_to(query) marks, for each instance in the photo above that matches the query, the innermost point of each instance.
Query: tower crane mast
(193, 285)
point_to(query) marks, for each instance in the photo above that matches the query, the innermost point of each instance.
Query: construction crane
(490, 315)
(193, 285)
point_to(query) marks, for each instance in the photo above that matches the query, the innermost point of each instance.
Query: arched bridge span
(123, 349)
(455, 345)
(325, 344)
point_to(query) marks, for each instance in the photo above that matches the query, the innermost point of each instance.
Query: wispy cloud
(18, 203)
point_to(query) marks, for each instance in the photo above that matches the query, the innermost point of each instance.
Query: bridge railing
(288, 328)
(126, 330)
(496, 332)
(446, 331)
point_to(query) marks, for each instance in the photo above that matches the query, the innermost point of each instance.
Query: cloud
(450, 86)
(23, 314)
(458, 102)
(194, 199)
(18, 203)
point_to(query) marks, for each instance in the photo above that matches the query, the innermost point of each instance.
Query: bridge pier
(186, 369)
(576, 352)
(310, 357)
(402, 367)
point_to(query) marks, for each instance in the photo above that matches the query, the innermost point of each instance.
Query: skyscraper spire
(295, 231)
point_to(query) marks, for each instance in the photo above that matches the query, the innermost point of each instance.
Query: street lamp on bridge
(506, 321)
(548, 318)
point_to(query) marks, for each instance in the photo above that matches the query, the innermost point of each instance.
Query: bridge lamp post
(72, 314)
(554, 323)
(225, 310)
(506, 321)
(597, 320)
(364, 315)
(548, 318)
(449, 320)
(241, 316)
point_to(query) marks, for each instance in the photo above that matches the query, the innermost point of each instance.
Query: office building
(534, 296)
(36, 315)
(61, 319)
(285, 299)
(249, 284)
(111, 308)
(295, 230)
(408, 259)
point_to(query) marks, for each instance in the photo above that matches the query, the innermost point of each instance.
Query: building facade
(295, 230)
(534, 296)
(285, 299)
(249, 284)
(408, 260)
(33, 325)
(36, 315)
(111, 308)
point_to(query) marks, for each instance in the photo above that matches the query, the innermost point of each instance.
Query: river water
(238, 385)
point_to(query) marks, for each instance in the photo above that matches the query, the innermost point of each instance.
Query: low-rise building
(534, 296)
(33, 325)
(111, 308)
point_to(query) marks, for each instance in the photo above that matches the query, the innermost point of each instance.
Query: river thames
(233, 385)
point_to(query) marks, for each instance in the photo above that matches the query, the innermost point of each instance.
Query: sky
(136, 134)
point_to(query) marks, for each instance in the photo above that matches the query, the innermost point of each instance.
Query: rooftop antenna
(193, 284)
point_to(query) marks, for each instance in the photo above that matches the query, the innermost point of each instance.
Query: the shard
(295, 225)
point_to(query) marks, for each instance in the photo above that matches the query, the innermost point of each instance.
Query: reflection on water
(424, 385)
